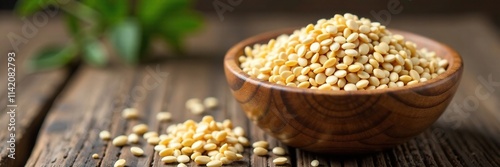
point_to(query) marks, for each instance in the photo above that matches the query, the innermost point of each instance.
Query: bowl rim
(455, 65)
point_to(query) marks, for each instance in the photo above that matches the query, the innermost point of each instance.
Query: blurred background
(199, 28)
(73, 37)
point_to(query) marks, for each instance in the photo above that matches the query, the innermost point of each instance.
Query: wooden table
(61, 112)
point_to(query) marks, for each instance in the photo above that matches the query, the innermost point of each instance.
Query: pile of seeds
(342, 53)
(207, 142)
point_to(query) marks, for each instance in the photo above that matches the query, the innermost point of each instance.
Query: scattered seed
(239, 131)
(280, 161)
(105, 135)
(314, 163)
(153, 140)
(214, 163)
(163, 116)
(120, 163)
(95, 156)
(169, 159)
(137, 151)
(160, 147)
(260, 151)
(133, 138)
(183, 159)
(211, 102)
(148, 135)
(120, 140)
(279, 151)
(130, 113)
(263, 144)
(202, 160)
(140, 129)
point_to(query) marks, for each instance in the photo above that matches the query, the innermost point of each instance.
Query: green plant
(129, 25)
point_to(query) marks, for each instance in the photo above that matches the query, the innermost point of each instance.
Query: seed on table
(187, 142)
(192, 101)
(159, 147)
(147, 135)
(133, 138)
(137, 151)
(239, 131)
(230, 155)
(197, 145)
(351, 24)
(166, 152)
(186, 150)
(243, 140)
(239, 156)
(314, 163)
(195, 155)
(120, 140)
(163, 116)
(210, 146)
(202, 160)
(130, 113)
(263, 144)
(197, 108)
(153, 140)
(225, 161)
(354, 68)
(214, 163)
(120, 163)
(260, 151)
(183, 159)
(279, 151)
(181, 165)
(280, 161)
(169, 159)
(105, 135)
(211, 102)
(221, 136)
(140, 129)
(95, 156)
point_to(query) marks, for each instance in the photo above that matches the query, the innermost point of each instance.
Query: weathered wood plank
(96, 97)
(34, 92)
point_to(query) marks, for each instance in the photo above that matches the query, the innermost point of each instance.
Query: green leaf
(27, 7)
(72, 24)
(94, 53)
(51, 58)
(111, 11)
(126, 39)
(152, 11)
(175, 28)
(181, 23)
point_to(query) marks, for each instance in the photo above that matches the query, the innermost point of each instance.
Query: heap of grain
(342, 53)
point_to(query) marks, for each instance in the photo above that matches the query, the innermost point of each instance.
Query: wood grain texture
(339, 121)
(35, 92)
(461, 137)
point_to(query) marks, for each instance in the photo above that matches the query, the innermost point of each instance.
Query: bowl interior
(455, 62)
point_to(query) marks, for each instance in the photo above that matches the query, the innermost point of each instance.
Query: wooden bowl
(341, 121)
